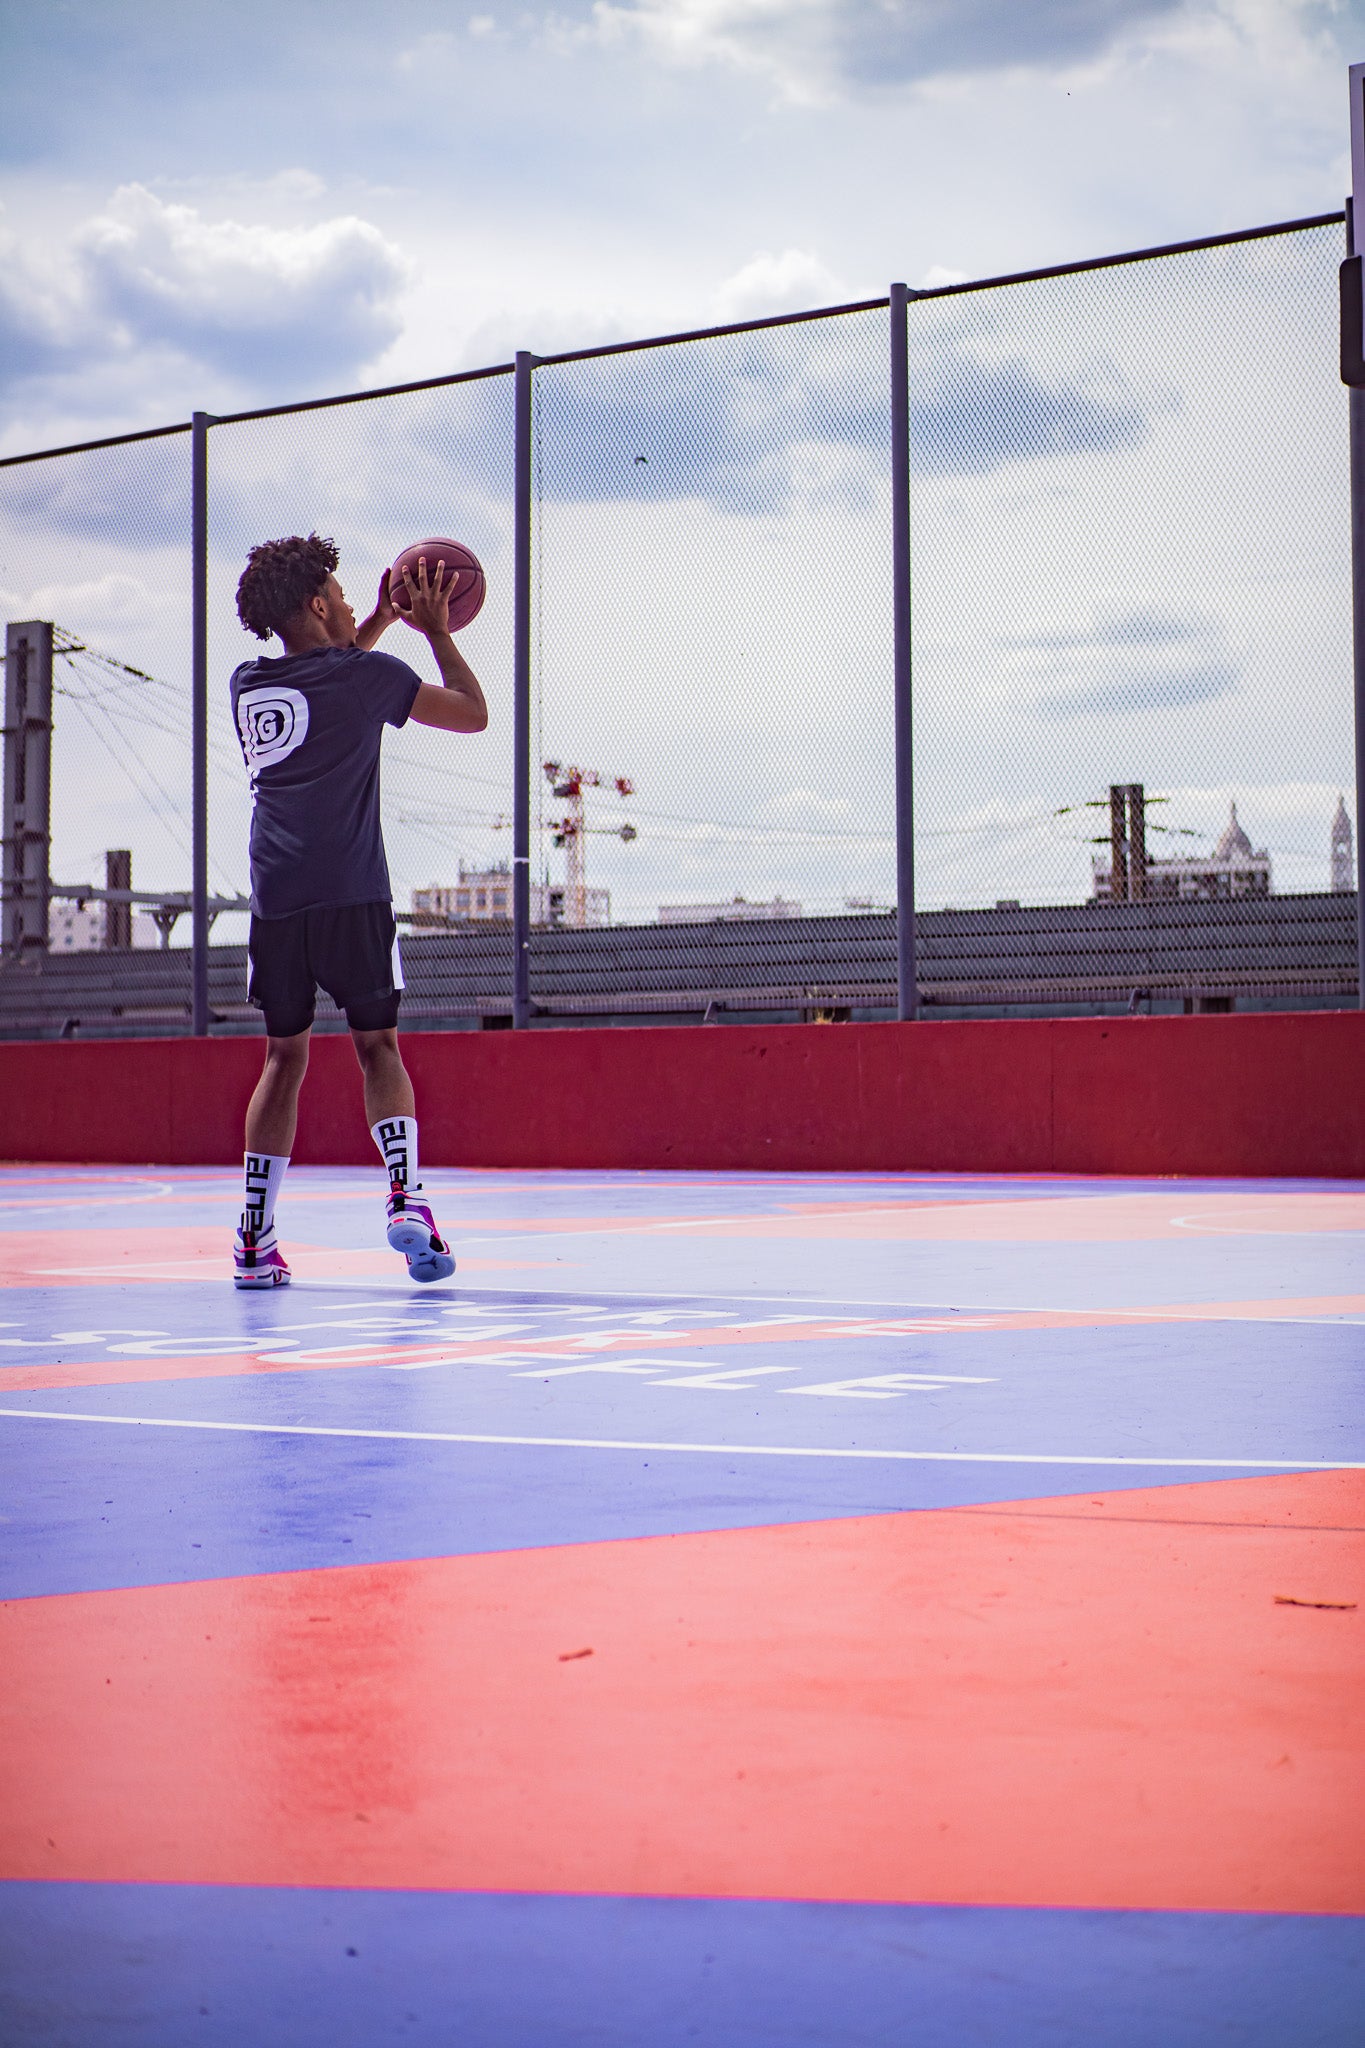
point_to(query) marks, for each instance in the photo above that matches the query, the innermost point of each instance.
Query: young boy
(310, 724)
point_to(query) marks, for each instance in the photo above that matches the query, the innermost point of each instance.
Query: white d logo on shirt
(272, 722)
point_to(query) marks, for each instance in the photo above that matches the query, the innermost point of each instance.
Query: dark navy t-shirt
(310, 727)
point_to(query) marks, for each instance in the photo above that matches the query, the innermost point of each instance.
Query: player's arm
(381, 618)
(458, 706)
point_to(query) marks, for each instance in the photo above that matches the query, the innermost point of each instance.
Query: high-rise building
(1343, 853)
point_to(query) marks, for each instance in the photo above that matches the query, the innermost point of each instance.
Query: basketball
(463, 577)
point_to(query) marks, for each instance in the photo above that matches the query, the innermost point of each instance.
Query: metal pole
(26, 834)
(1118, 842)
(1137, 842)
(1357, 403)
(906, 973)
(521, 699)
(1356, 400)
(199, 725)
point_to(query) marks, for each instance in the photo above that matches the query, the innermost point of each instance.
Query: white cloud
(783, 283)
(545, 330)
(242, 298)
(38, 308)
(148, 298)
(105, 605)
(817, 49)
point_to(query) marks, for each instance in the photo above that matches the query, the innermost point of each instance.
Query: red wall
(1200, 1095)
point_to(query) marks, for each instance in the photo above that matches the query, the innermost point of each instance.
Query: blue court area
(736, 1609)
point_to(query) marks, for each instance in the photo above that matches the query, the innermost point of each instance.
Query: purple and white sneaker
(412, 1231)
(257, 1260)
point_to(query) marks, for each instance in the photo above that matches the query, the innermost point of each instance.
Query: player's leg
(282, 986)
(388, 1092)
(272, 1114)
(391, 1112)
(354, 949)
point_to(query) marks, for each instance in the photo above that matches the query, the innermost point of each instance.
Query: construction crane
(571, 830)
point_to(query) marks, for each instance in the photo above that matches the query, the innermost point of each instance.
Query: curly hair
(279, 578)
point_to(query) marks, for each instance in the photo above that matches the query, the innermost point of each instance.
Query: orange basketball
(463, 577)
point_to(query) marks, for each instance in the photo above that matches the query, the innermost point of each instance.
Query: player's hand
(380, 619)
(385, 610)
(429, 597)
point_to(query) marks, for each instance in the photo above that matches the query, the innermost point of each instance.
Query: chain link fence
(1134, 763)
(94, 552)
(712, 636)
(1132, 627)
(372, 474)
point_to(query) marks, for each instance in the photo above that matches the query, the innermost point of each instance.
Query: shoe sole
(254, 1282)
(431, 1266)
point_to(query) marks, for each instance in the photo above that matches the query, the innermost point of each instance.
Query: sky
(226, 208)
(221, 210)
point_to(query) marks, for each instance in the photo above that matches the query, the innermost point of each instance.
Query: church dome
(1234, 844)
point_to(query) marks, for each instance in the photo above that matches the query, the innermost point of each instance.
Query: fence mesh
(1132, 573)
(374, 475)
(712, 628)
(1131, 603)
(97, 544)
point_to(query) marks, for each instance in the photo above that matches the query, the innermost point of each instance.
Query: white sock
(264, 1173)
(396, 1137)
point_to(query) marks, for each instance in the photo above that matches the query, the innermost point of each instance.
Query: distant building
(484, 896)
(481, 896)
(1343, 853)
(1233, 871)
(737, 911)
(74, 927)
(551, 904)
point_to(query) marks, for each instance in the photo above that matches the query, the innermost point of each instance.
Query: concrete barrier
(1264, 1094)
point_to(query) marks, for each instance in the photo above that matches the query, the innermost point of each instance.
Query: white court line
(590, 1443)
(157, 1191)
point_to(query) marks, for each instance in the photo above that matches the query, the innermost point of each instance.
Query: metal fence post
(521, 699)
(907, 995)
(1356, 401)
(1357, 405)
(26, 832)
(199, 725)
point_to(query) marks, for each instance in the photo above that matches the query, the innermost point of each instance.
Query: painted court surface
(917, 1610)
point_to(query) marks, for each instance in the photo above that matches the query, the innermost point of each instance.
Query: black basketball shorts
(349, 949)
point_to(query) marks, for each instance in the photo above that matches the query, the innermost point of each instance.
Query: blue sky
(219, 207)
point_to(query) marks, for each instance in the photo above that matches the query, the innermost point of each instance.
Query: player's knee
(376, 1048)
(288, 1057)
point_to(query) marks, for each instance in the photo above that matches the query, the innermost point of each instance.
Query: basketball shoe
(412, 1231)
(257, 1260)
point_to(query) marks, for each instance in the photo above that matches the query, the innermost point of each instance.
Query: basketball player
(310, 724)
